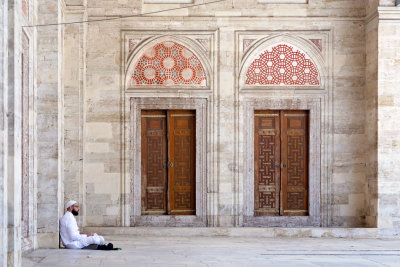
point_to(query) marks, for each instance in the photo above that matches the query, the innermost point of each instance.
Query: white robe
(71, 237)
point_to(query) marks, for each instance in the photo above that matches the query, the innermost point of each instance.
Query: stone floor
(225, 251)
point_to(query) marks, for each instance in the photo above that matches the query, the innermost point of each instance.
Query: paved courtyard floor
(225, 251)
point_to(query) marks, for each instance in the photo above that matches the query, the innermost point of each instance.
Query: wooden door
(181, 150)
(294, 162)
(154, 162)
(280, 163)
(168, 162)
(267, 162)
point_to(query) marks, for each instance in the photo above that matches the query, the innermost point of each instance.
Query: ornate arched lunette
(168, 61)
(283, 61)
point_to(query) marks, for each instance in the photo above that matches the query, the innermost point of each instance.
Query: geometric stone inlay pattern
(318, 43)
(25, 7)
(168, 63)
(132, 44)
(281, 66)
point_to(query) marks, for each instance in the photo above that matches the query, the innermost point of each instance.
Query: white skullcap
(70, 203)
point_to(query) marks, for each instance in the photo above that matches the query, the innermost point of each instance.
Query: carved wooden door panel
(181, 150)
(267, 160)
(295, 162)
(168, 162)
(280, 163)
(154, 162)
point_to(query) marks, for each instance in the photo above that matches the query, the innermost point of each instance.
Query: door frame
(313, 105)
(166, 103)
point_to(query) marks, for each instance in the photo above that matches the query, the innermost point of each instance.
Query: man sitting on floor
(69, 232)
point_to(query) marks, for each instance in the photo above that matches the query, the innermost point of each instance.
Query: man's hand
(90, 234)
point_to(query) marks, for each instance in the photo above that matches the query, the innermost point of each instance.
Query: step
(246, 232)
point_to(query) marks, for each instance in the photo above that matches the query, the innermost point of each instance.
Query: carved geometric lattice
(182, 160)
(295, 164)
(155, 201)
(154, 173)
(182, 200)
(267, 200)
(295, 191)
(282, 65)
(295, 200)
(155, 169)
(281, 175)
(182, 153)
(266, 159)
(168, 63)
(267, 181)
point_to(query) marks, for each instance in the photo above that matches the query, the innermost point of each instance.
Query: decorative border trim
(391, 14)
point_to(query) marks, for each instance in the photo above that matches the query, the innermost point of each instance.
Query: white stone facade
(83, 110)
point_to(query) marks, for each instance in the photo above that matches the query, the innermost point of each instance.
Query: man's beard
(75, 213)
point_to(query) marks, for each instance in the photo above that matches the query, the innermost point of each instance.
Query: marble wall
(101, 177)
(80, 116)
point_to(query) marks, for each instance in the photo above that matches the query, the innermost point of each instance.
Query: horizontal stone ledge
(313, 232)
(389, 13)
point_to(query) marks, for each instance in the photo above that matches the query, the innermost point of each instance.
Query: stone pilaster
(388, 115)
(11, 122)
(74, 74)
(371, 91)
(3, 131)
(49, 126)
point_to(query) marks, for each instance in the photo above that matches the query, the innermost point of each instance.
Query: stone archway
(275, 64)
(167, 64)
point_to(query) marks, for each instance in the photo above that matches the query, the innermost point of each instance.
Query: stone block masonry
(339, 60)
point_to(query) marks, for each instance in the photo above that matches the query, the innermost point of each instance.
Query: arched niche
(168, 62)
(283, 61)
